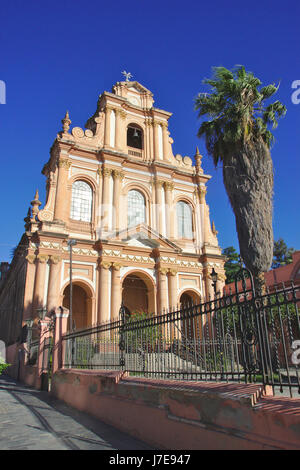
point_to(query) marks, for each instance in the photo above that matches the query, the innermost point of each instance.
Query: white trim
(112, 128)
(82, 278)
(131, 170)
(190, 287)
(109, 293)
(160, 143)
(126, 269)
(82, 159)
(46, 286)
(185, 182)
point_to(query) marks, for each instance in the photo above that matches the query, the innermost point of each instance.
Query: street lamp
(29, 324)
(71, 243)
(214, 277)
(42, 312)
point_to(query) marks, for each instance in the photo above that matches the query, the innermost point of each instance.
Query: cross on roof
(127, 75)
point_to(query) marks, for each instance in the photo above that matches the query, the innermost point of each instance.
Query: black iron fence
(239, 337)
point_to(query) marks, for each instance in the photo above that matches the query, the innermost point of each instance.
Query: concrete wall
(183, 415)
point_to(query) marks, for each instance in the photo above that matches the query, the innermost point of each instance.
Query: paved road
(33, 420)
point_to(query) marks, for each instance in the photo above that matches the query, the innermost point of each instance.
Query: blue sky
(61, 55)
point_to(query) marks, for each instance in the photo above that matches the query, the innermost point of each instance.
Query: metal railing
(240, 337)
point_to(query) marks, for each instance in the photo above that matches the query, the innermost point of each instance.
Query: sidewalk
(33, 420)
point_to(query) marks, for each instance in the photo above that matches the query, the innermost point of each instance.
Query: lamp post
(71, 243)
(29, 324)
(214, 277)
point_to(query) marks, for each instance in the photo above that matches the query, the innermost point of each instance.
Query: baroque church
(136, 213)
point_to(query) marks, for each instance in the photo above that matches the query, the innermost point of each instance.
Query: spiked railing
(239, 337)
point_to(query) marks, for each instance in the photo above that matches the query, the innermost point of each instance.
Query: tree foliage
(237, 134)
(232, 264)
(281, 254)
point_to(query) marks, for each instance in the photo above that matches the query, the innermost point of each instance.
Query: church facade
(137, 214)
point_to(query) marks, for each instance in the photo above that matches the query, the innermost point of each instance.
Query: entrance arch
(138, 293)
(189, 297)
(188, 324)
(81, 305)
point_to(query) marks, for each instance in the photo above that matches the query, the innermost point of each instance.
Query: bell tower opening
(134, 137)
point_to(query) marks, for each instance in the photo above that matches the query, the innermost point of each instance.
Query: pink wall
(183, 415)
(25, 373)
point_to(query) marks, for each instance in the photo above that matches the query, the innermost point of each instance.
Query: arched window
(184, 220)
(134, 137)
(82, 198)
(136, 209)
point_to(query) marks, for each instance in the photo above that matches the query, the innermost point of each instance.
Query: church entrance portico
(138, 293)
(81, 304)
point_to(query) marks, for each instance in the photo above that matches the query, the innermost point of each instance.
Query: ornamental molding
(169, 186)
(173, 272)
(42, 258)
(117, 266)
(106, 172)
(117, 174)
(64, 163)
(54, 259)
(104, 264)
(111, 253)
(81, 251)
(31, 259)
(44, 244)
(163, 271)
(139, 259)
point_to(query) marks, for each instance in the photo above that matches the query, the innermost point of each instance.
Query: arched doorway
(138, 294)
(81, 305)
(188, 322)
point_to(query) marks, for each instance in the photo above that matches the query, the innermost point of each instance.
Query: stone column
(53, 286)
(162, 290)
(205, 228)
(29, 286)
(105, 206)
(120, 116)
(98, 209)
(107, 126)
(169, 210)
(146, 141)
(165, 141)
(151, 141)
(118, 177)
(173, 289)
(159, 202)
(61, 316)
(173, 302)
(116, 291)
(210, 293)
(39, 284)
(103, 292)
(61, 202)
(156, 145)
(44, 338)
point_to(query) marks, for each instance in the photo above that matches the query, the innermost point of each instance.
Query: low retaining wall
(19, 370)
(183, 415)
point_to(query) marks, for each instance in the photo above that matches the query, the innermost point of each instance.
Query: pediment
(143, 236)
(137, 87)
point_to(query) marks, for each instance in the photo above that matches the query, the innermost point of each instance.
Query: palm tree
(237, 135)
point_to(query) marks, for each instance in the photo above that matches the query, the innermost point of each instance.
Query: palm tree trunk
(248, 179)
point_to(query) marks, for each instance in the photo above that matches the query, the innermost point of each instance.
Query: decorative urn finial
(198, 159)
(213, 229)
(35, 206)
(66, 123)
